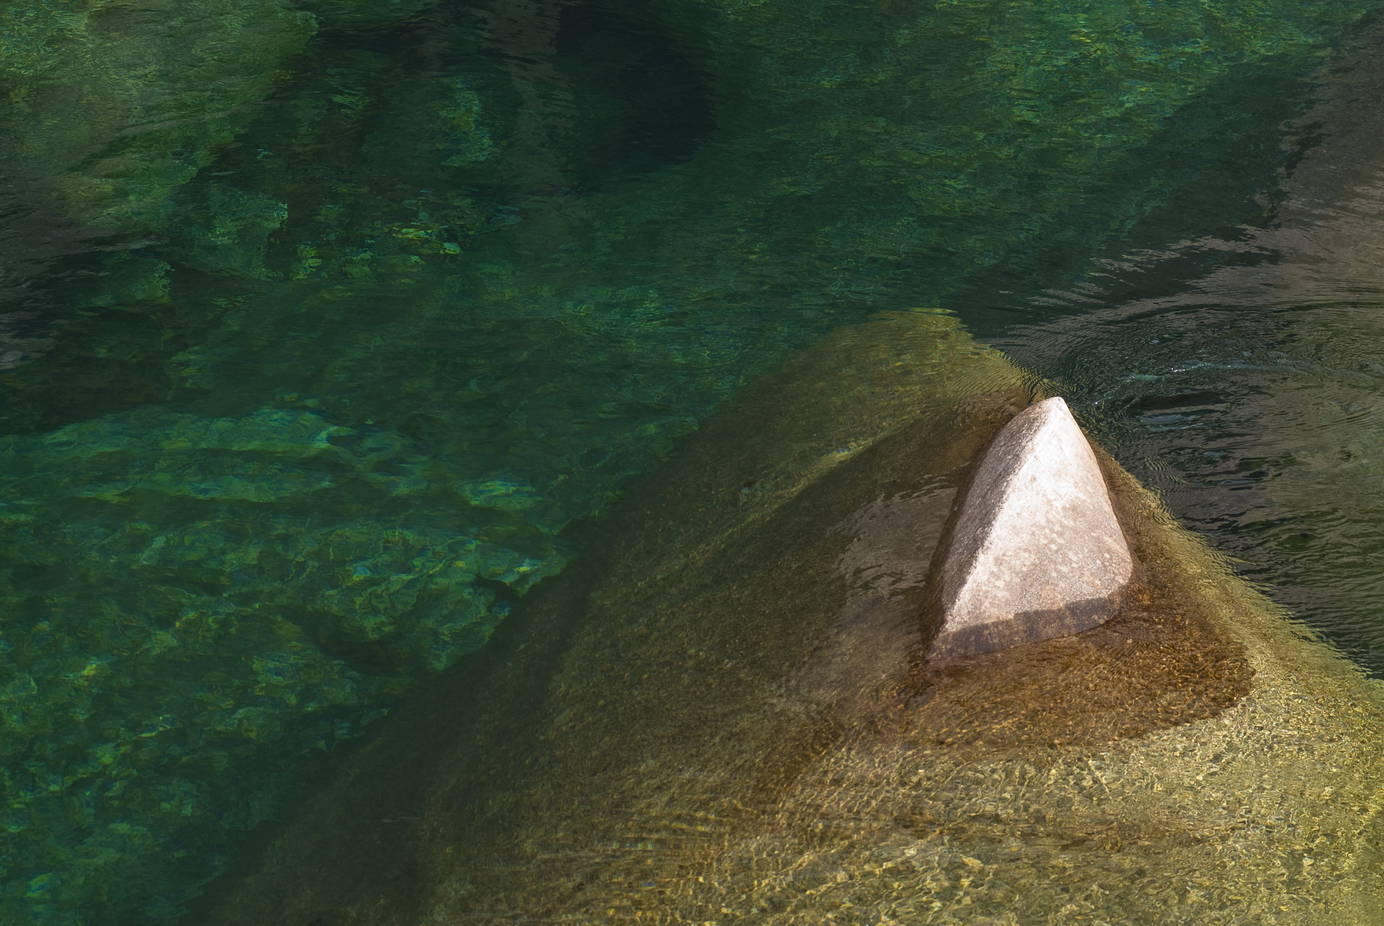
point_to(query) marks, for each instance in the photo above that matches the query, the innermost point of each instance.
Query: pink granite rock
(1036, 551)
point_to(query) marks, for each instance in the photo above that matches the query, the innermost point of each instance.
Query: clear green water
(321, 324)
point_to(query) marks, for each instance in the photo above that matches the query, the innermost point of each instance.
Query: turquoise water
(323, 323)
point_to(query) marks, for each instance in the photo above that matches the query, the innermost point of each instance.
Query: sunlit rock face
(1037, 551)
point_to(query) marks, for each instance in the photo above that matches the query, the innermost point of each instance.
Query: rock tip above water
(1036, 550)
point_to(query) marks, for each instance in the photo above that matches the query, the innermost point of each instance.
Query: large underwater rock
(723, 713)
(1036, 551)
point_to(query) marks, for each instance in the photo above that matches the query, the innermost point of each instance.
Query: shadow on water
(648, 105)
(1200, 188)
(1240, 373)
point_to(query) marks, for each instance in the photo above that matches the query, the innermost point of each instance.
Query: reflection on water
(325, 322)
(1251, 394)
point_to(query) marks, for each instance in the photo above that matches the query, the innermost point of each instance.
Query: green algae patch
(721, 714)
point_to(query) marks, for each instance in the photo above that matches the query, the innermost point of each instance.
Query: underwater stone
(1036, 551)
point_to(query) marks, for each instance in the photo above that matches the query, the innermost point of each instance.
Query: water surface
(323, 323)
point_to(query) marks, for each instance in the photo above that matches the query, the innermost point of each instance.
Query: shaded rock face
(1036, 551)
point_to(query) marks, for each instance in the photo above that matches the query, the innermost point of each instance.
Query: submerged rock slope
(724, 715)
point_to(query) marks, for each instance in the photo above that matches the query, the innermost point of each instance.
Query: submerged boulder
(1036, 551)
(722, 713)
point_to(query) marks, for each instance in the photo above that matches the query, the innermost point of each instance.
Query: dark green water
(321, 324)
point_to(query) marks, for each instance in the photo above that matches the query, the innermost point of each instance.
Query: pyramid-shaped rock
(1036, 551)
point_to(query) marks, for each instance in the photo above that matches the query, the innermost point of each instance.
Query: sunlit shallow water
(320, 333)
